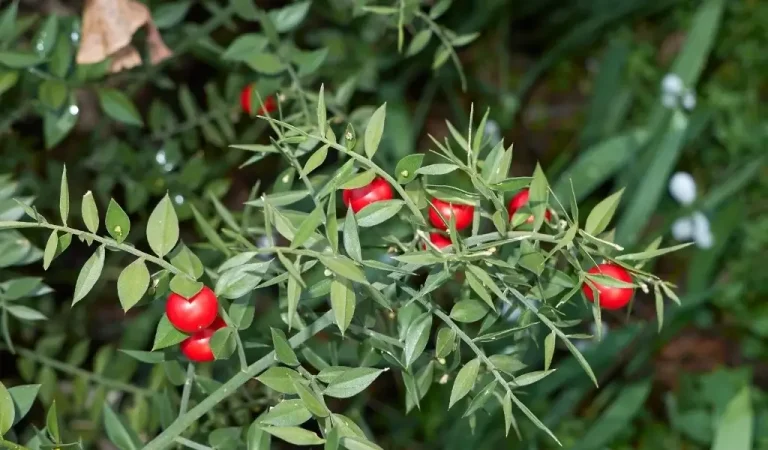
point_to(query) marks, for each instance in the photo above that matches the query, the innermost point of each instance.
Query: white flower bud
(689, 100)
(669, 101)
(682, 229)
(682, 187)
(705, 240)
(672, 84)
(702, 235)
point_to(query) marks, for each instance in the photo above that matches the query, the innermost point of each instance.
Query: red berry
(376, 191)
(462, 213)
(197, 347)
(610, 297)
(439, 240)
(521, 199)
(270, 105)
(194, 314)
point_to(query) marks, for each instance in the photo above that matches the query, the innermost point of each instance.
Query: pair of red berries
(198, 316)
(270, 103)
(379, 190)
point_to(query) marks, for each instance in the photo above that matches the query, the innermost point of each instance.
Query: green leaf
(236, 283)
(352, 382)
(266, 63)
(407, 167)
(481, 398)
(187, 262)
(184, 286)
(163, 227)
(23, 398)
(538, 196)
(378, 212)
(341, 265)
(419, 42)
(437, 169)
(321, 113)
(549, 349)
(257, 438)
(168, 15)
(283, 350)
(166, 334)
(7, 410)
(145, 357)
(117, 221)
(52, 423)
(132, 284)
(89, 275)
(311, 400)
(342, 302)
(446, 342)
(280, 379)
(464, 382)
(359, 180)
(19, 60)
(374, 130)
(735, 427)
(659, 306)
(90, 212)
(358, 443)
(289, 17)
(53, 93)
(118, 106)
(416, 338)
(8, 79)
(288, 413)
(242, 311)
(315, 160)
(295, 435)
(25, 313)
(652, 253)
(223, 343)
(245, 46)
(8, 22)
(64, 197)
(308, 227)
(118, 432)
(279, 198)
(506, 406)
(530, 378)
(602, 213)
(351, 238)
(468, 311)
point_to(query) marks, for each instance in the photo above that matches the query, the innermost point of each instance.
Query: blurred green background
(576, 85)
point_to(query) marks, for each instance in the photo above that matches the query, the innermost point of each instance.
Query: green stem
(447, 44)
(488, 363)
(187, 391)
(76, 371)
(183, 422)
(106, 241)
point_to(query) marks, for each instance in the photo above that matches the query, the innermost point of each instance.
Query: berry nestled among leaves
(376, 191)
(270, 104)
(440, 241)
(192, 314)
(521, 199)
(197, 348)
(611, 297)
(462, 214)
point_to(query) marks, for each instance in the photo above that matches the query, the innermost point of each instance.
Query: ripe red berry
(521, 199)
(376, 191)
(193, 314)
(197, 348)
(610, 297)
(439, 240)
(270, 105)
(462, 213)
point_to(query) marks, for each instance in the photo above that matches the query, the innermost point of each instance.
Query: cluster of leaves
(540, 276)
